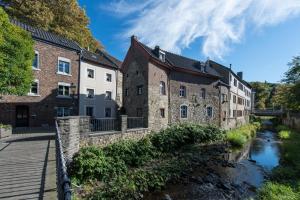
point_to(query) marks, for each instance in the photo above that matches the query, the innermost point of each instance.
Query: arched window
(209, 111)
(183, 111)
(203, 93)
(182, 91)
(162, 88)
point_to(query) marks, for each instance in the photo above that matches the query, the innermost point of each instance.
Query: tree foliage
(16, 56)
(264, 94)
(64, 17)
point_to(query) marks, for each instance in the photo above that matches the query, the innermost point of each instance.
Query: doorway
(22, 116)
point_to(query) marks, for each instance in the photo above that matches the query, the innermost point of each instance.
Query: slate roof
(101, 58)
(52, 38)
(183, 62)
(213, 63)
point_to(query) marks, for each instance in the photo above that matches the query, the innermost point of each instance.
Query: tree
(293, 74)
(16, 57)
(63, 17)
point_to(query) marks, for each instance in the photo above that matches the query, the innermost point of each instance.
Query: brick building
(55, 88)
(166, 88)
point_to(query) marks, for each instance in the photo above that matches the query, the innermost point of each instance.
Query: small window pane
(108, 95)
(35, 63)
(34, 88)
(162, 112)
(183, 111)
(90, 111)
(90, 93)
(209, 112)
(107, 112)
(108, 77)
(90, 73)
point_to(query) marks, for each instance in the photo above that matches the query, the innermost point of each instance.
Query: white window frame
(70, 66)
(38, 89)
(38, 61)
(105, 112)
(111, 94)
(86, 93)
(186, 111)
(162, 56)
(87, 73)
(85, 113)
(212, 112)
(180, 91)
(63, 84)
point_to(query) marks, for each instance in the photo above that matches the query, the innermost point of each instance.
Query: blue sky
(256, 38)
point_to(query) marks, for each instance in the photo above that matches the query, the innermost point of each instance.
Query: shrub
(133, 153)
(238, 137)
(91, 163)
(277, 191)
(284, 134)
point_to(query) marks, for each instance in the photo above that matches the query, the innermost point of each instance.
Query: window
(162, 113)
(107, 112)
(139, 112)
(182, 91)
(89, 111)
(224, 98)
(235, 82)
(35, 64)
(90, 73)
(234, 99)
(240, 101)
(64, 66)
(139, 90)
(224, 115)
(108, 95)
(90, 93)
(63, 89)
(162, 56)
(126, 92)
(162, 88)
(234, 113)
(203, 93)
(209, 112)
(183, 111)
(241, 87)
(62, 112)
(34, 90)
(108, 77)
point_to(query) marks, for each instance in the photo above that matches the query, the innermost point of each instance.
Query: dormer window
(162, 56)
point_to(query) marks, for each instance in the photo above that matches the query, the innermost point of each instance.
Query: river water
(247, 170)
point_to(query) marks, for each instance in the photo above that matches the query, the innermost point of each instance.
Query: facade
(55, 88)
(99, 85)
(166, 88)
(240, 95)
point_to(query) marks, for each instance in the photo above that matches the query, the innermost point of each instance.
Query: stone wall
(106, 138)
(196, 104)
(292, 120)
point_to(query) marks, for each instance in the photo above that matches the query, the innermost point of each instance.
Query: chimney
(156, 50)
(240, 74)
(133, 38)
(230, 66)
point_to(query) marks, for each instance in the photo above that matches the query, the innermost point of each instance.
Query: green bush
(277, 191)
(133, 153)
(284, 134)
(91, 163)
(239, 136)
(179, 135)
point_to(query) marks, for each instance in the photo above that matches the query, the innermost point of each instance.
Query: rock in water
(167, 197)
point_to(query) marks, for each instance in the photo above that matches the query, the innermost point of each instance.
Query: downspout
(220, 106)
(169, 99)
(78, 87)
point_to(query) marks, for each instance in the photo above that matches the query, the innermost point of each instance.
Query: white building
(99, 93)
(240, 95)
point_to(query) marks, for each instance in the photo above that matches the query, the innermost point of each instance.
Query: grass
(239, 136)
(285, 179)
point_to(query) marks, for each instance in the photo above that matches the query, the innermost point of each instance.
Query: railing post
(123, 121)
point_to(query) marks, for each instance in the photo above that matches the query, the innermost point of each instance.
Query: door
(22, 116)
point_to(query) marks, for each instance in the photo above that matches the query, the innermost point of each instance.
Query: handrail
(62, 180)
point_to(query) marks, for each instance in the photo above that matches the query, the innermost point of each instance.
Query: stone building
(100, 92)
(166, 88)
(239, 98)
(55, 88)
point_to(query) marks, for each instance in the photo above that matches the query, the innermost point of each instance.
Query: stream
(237, 175)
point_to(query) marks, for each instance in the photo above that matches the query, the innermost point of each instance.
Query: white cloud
(175, 24)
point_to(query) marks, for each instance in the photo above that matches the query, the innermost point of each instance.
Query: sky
(258, 37)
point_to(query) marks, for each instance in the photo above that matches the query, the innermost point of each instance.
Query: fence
(104, 124)
(62, 179)
(135, 122)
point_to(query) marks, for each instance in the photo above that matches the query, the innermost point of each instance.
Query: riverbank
(129, 169)
(284, 182)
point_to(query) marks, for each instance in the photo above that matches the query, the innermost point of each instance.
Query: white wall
(100, 85)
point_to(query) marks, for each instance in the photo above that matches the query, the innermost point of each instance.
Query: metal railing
(62, 180)
(135, 122)
(104, 124)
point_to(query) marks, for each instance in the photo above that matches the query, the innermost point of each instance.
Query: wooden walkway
(27, 167)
